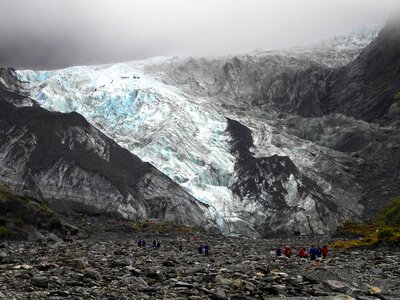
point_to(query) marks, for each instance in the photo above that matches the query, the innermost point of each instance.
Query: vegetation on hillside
(397, 98)
(389, 215)
(19, 213)
(384, 228)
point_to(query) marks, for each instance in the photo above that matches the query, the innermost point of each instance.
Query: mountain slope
(65, 161)
(366, 88)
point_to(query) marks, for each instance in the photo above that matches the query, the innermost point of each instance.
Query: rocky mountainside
(270, 142)
(365, 89)
(63, 160)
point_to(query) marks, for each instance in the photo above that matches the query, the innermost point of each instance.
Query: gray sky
(45, 34)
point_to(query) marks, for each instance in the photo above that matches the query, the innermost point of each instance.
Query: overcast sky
(45, 34)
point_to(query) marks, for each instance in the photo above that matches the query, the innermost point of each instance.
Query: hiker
(288, 252)
(200, 249)
(181, 252)
(313, 252)
(154, 245)
(141, 243)
(206, 249)
(324, 251)
(302, 252)
(278, 251)
(158, 244)
(319, 251)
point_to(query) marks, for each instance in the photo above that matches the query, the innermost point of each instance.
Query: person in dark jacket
(319, 251)
(141, 243)
(313, 252)
(154, 245)
(206, 249)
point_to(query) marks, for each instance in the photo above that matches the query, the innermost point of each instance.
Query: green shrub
(389, 215)
(397, 98)
(43, 206)
(349, 222)
(386, 232)
(88, 228)
(18, 222)
(4, 231)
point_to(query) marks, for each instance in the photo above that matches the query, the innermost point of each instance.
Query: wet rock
(3, 255)
(240, 297)
(219, 294)
(77, 263)
(91, 273)
(183, 284)
(40, 281)
(133, 270)
(336, 286)
(362, 297)
(169, 263)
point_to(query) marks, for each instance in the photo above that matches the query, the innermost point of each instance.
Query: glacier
(173, 112)
(159, 123)
(183, 135)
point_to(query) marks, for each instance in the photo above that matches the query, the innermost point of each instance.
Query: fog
(45, 34)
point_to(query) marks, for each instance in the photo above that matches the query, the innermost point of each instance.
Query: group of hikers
(203, 248)
(155, 245)
(314, 252)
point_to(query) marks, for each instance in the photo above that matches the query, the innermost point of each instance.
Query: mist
(45, 34)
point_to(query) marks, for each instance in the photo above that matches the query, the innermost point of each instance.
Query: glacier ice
(156, 122)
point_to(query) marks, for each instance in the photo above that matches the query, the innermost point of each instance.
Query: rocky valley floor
(110, 265)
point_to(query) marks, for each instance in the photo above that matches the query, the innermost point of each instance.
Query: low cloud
(43, 34)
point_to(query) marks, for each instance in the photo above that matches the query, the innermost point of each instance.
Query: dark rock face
(366, 88)
(11, 89)
(65, 161)
(279, 186)
(278, 83)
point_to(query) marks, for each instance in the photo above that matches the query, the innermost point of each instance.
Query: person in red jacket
(302, 252)
(288, 252)
(324, 251)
